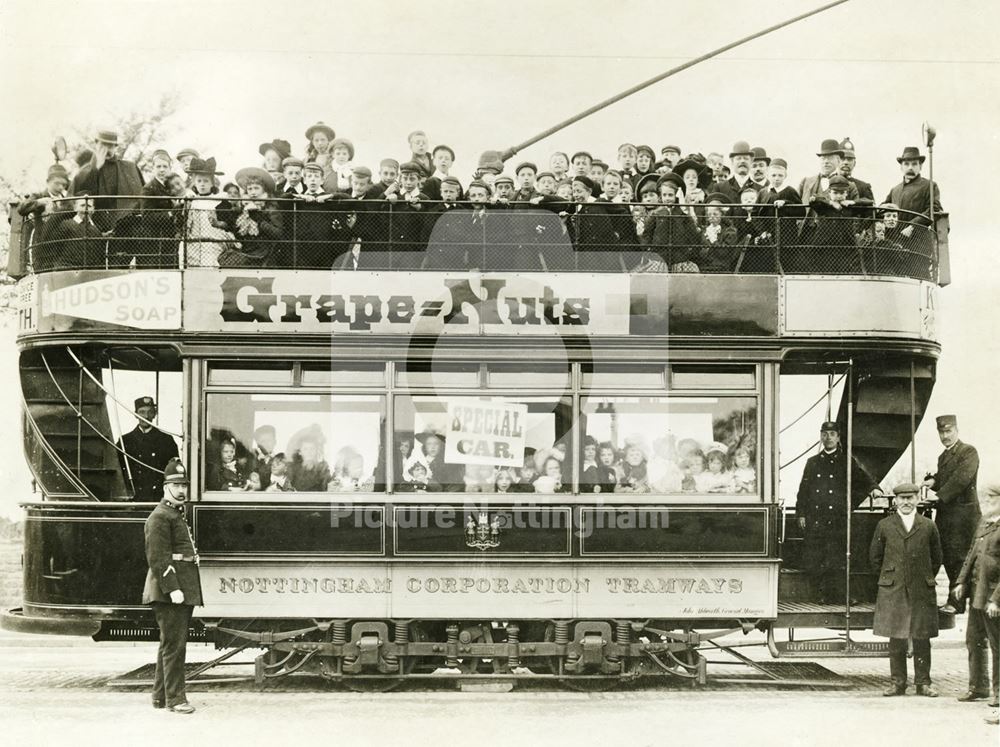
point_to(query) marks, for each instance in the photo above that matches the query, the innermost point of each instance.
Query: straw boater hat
(253, 172)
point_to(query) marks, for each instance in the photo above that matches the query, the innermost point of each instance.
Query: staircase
(68, 454)
(881, 425)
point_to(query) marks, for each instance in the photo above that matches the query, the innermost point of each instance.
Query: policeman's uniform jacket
(958, 504)
(908, 562)
(980, 574)
(171, 555)
(153, 448)
(823, 489)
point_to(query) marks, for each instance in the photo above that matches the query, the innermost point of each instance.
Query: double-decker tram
(565, 473)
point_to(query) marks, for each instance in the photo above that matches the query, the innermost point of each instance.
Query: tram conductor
(172, 588)
(821, 507)
(144, 453)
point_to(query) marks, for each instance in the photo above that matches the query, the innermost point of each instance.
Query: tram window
(250, 373)
(482, 444)
(343, 374)
(696, 445)
(712, 377)
(325, 442)
(623, 376)
(439, 375)
(528, 376)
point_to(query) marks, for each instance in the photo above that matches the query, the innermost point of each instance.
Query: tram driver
(144, 453)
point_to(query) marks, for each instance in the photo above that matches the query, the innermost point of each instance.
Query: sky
(476, 76)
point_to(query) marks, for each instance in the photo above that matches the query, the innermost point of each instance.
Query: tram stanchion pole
(849, 392)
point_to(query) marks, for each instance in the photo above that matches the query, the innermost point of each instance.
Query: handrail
(552, 235)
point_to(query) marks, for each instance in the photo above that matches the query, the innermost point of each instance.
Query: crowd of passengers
(670, 213)
(669, 465)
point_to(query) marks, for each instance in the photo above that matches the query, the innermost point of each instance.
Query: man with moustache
(915, 197)
(741, 158)
(847, 170)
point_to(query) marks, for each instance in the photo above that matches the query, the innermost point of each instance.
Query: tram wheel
(383, 683)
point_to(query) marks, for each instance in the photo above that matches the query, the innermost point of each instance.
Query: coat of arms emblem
(484, 533)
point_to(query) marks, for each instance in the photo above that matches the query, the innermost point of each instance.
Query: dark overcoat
(167, 535)
(980, 574)
(958, 504)
(908, 562)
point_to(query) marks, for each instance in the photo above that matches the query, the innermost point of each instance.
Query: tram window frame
(420, 375)
(233, 369)
(561, 398)
(622, 376)
(756, 497)
(343, 375)
(208, 441)
(714, 374)
(542, 377)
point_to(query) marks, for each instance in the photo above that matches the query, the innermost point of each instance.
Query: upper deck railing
(550, 235)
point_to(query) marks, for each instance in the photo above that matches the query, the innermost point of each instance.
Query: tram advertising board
(97, 299)
(678, 590)
(431, 303)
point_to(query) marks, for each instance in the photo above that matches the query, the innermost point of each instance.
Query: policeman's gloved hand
(177, 596)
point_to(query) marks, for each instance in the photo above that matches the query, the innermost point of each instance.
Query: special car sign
(485, 432)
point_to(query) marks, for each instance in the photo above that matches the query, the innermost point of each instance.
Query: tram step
(832, 648)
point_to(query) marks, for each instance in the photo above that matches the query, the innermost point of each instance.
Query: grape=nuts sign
(485, 433)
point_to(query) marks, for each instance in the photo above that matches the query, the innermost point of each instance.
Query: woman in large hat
(205, 236)
(451, 477)
(274, 153)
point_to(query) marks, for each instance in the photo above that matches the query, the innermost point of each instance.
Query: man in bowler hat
(115, 181)
(831, 156)
(172, 588)
(916, 198)
(979, 582)
(957, 509)
(906, 550)
(821, 507)
(144, 453)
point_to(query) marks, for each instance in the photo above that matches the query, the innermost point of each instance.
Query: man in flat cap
(906, 551)
(957, 509)
(114, 181)
(979, 583)
(42, 203)
(821, 507)
(144, 453)
(172, 588)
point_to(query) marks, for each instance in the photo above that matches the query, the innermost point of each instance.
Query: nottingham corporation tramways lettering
(669, 585)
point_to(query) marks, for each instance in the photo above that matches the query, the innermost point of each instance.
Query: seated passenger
(264, 442)
(693, 466)
(349, 473)
(478, 478)
(417, 479)
(635, 478)
(664, 474)
(226, 473)
(744, 474)
(254, 220)
(670, 235)
(278, 480)
(309, 471)
(69, 238)
(449, 476)
(503, 481)
(717, 479)
(550, 481)
(205, 234)
(589, 476)
(884, 247)
(528, 473)
(607, 474)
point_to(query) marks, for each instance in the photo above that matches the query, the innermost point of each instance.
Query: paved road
(59, 693)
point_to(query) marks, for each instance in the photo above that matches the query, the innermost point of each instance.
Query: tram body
(378, 582)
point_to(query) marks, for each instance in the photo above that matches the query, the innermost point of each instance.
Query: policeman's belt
(185, 558)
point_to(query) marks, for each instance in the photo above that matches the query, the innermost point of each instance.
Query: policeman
(957, 509)
(821, 507)
(144, 453)
(173, 587)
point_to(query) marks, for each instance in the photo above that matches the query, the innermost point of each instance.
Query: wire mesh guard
(548, 234)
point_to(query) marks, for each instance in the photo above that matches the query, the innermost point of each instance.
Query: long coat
(908, 562)
(118, 183)
(153, 449)
(980, 574)
(958, 504)
(167, 534)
